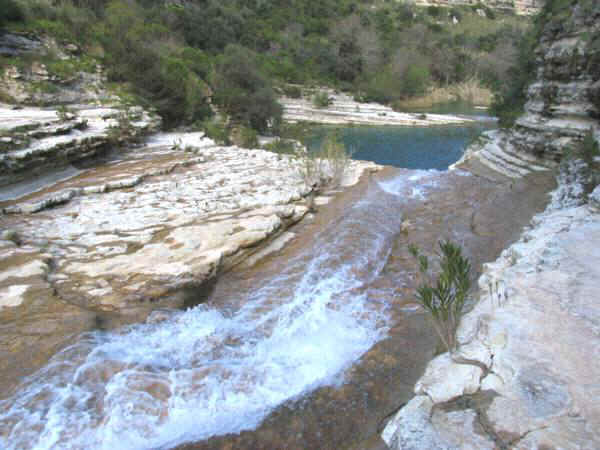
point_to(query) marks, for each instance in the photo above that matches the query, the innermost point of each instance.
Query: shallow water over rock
(217, 368)
(277, 344)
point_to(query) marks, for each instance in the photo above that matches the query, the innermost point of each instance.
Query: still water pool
(434, 147)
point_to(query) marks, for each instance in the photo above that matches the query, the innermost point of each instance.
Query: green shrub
(321, 100)
(444, 295)
(325, 165)
(434, 11)
(511, 94)
(137, 56)
(292, 91)
(10, 11)
(217, 131)
(123, 130)
(245, 137)
(244, 92)
(385, 87)
(589, 147)
(416, 80)
(281, 146)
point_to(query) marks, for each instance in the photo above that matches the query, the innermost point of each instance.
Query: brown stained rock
(352, 416)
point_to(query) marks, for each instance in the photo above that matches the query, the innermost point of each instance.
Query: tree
(10, 11)
(243, 91)
(416, 80)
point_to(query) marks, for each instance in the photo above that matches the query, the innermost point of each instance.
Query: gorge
(180, 293)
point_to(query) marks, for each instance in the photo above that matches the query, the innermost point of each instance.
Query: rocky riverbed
(144, 230)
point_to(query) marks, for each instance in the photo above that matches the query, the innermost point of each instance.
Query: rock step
(489, 159)
(530, 163)
(66, 195)
(44, 143)
(564, 125)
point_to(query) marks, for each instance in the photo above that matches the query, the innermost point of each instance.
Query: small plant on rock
(326, 165)
(124, 129)
(65, 114)
(589, 148)
(443, 295)
(321, 100)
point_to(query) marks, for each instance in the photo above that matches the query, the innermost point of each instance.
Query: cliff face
(519, 6)
(563, 103)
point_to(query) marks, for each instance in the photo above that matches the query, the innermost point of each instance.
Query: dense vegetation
(178, 55)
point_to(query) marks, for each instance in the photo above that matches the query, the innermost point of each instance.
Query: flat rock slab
(345, 110)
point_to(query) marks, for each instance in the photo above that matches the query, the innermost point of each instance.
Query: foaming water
(413, 185)
(211, 371)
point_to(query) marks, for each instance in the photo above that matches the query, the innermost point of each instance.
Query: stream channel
(312, 348)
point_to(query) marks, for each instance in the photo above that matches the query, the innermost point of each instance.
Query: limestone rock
(560, 107)
(445, 379)
(345, 110)
(41, 141)
(525, 7)
(535, 338)
(146, 231)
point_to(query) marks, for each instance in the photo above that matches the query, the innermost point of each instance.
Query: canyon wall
(563, 102)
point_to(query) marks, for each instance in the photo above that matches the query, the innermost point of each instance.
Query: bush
(244, 92)
(292, 91)
(281, 146)
(434, 11)
(385, 87)
(136, 56)
(510, 96)
(321, 100)
(245, 137)
(326, 165)
(10, 11)
(444, 296)
(416, 80)
(123, 130)
(589, 147)
(217, 131)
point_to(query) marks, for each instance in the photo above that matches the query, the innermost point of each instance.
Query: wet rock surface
(146, 230)
(466, 208)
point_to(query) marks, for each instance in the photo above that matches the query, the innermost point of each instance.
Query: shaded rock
(13, 44)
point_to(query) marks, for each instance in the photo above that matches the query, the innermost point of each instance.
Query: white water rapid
(210, 371)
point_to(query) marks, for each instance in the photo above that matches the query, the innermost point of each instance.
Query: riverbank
(524, 348)
(343, 110)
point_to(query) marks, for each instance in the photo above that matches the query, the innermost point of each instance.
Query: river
(224, 366)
